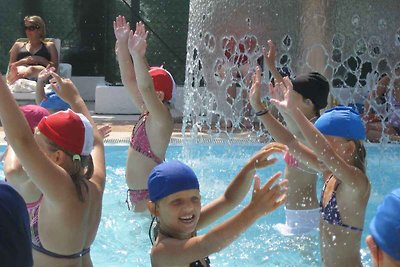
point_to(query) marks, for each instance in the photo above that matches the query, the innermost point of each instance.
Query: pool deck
(122, 126)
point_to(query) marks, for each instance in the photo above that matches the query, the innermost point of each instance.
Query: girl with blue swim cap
(175, 203)
(335, 148)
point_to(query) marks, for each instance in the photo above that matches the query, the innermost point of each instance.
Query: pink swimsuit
(290, 160)
(140, 142)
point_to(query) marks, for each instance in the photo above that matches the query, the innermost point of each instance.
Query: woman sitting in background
(28, 58)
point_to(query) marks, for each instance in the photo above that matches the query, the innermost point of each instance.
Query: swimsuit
(330, 212)
(299, 222)
(32, 206)
(136, 195)
(140, 142)
(290, 160)
(37, 245)
(42, 52)
(193, 264)
(199, 264)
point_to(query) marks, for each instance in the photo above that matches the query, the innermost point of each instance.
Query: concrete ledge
(87, 85)
(116, 100)
(113, 100)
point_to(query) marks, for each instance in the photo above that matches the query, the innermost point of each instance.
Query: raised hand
(65, 88)
(260, 159)
(291, 99)
(255, 90)
(137, 42)
(270, 54)
(121, 29)
(45, 74)
(266, 199)
(104, 130)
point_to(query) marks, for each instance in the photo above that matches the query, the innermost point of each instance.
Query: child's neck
(180, 236)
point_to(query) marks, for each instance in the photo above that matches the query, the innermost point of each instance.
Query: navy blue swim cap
(170, 177)
(341, 121)
(15, 235)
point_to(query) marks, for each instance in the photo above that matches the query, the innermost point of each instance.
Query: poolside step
(116, 100)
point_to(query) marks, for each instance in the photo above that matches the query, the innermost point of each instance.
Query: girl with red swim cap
(150, 89)
(65, 160)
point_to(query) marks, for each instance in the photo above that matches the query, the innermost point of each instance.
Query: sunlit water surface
(122, 239)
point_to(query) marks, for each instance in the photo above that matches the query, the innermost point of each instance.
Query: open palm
(121, 29)
(286, 98)
(137, 42)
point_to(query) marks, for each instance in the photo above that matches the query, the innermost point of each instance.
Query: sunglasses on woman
(31, 28)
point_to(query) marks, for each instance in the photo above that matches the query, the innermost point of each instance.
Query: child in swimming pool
(301, 207)
(384, 238)
(336, 140)
(13, 171)
(15, 174)
(65, 160)
(176, 204)
(150, 90)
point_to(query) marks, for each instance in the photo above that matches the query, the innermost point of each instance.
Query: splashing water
(345, 41)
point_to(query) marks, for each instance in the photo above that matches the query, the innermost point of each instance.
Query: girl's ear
(351, 148)
(152, 208)
(57, 157)
(309, 102)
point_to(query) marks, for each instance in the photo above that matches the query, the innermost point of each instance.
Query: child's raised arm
(173, 252)
(322, 148)
(279, 132)
(240, 185)
(126, 67)
(66, 89)
(137, 44)
(270, 58)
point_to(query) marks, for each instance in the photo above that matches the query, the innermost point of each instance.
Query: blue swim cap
(170, 177)
(341, 121)
(53, 101)
(385, 226)
(15, 235)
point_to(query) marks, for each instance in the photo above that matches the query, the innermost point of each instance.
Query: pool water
(122, 239)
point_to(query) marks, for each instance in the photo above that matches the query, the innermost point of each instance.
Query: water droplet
(382, 24)
(355, 20)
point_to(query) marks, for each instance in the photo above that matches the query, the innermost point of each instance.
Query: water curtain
(353, 43)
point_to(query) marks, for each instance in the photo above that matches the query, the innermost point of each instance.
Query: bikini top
(33, 206)
(199, 264)
(42, 52)
(36, 243)
(330, 213)
(139, 140)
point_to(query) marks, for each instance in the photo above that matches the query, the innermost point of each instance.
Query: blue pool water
(122, 239)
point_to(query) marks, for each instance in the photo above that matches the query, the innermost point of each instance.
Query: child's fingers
(276, 102)
(287, 83)
(264, 162)
(257, 183)
(56, 76)
(271, 181)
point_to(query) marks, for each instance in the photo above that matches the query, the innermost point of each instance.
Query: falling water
(351, 42)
